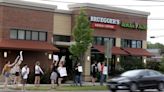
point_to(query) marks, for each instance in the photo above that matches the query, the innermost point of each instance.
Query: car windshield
(131, 73)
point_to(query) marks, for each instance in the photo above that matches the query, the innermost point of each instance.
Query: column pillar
(87, 65)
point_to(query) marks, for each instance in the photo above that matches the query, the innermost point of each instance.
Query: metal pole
(107, 68)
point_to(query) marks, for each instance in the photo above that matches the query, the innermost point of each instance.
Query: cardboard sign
(105, 70)
(62, 71)
(55, 58)
(20, 58)
(21, 55)
(62, 58)
(80, 68)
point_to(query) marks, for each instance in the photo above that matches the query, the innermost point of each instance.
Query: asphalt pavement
(70, 91)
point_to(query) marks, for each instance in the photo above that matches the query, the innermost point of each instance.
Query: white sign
(55, 58)
(62, 71)
(80, 68)
(104, 20)
(21, 55)
(62, 59)
(105, 70)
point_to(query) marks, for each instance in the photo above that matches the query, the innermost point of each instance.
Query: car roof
(141, 70)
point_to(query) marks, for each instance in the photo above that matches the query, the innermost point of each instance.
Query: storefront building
(127, 29)
(26, 27)
(40, 30)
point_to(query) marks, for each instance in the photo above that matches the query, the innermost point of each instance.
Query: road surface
(71, 91)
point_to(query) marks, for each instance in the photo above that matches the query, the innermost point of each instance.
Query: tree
(82, 35)
(161, 67)
(156, 46)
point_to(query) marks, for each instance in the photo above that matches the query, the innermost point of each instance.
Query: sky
(155, 7)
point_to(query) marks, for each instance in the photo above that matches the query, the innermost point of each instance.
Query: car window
(154, 73)
(131, 73)
(144, 74)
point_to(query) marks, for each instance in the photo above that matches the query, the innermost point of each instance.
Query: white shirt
(38, 70)
(25, 72)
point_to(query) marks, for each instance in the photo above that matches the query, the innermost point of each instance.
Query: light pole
(156, 36)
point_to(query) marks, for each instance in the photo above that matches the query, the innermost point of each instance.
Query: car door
(154, 78)
(144, 79)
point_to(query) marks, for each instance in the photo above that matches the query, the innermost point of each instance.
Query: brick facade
(28, 19)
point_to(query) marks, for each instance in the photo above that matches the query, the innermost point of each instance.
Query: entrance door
(112, 65)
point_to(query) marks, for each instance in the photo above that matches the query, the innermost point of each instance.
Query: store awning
(115, 50)
(27, 45)
(138, 52)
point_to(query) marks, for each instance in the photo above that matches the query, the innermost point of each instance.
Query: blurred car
(140, 79)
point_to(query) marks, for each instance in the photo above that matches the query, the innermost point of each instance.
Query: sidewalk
(70, 83)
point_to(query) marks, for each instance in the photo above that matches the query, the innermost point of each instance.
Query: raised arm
(41, 70)
(3, 70)
(56, 63)
(16, 60)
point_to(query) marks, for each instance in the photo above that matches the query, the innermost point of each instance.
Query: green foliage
(161, 67)
(153, 65)
(156, 46)
(131, 63)
(82, 35)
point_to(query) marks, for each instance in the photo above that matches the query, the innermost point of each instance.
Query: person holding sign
(78, 73)
(17, 69)
(54, 73)
(62, 72)
(6, 71)
(38, 73)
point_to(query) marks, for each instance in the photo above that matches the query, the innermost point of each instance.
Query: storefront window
(13, 34)
(131, 43)
(21, 34)
(34, 35)
(28, 35)
(62, 38)
(99, 40)
(42, 36)
(102, 40)
(134, 44)
(139, 44)
(105, 40)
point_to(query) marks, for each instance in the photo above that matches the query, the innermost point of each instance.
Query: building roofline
(106, 7)
(63, 11)
(28, 5)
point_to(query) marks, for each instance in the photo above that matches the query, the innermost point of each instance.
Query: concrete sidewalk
(69, 83)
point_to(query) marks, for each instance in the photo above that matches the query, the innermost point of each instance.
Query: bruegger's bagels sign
(109, 23)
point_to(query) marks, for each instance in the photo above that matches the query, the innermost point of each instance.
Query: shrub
(153, 65)
(132, 63)
(161, 66)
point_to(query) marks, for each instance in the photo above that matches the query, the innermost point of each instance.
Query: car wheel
(141, 90)
(161, 86)
(133, 87)
(113, 90)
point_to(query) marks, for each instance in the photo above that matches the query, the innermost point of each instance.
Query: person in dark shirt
(54, 73)
(94, 70)
(78, 73)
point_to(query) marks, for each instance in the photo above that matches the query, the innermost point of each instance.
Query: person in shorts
(24, 72)
(54, 73)
(38, 73)
(17, 74)
(6, 71)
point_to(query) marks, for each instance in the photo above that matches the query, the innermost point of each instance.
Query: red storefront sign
(101, 25)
